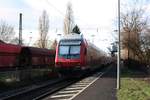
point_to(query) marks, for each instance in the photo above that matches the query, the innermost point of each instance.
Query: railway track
(70, 92)
(38, 92)
(73, 90)
(30, 92)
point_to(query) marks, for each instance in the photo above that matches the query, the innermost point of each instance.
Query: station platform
(102, 89)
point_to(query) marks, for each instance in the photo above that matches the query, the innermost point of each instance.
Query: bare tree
(134, 27)
(68, 21)
(15, 40)
(6, 32)
(145, 46)
(54, 44)
(43, 30)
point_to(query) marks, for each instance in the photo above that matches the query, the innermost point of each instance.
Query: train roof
(9, 48)
(39, 51)
(71, 39)
(72, 36)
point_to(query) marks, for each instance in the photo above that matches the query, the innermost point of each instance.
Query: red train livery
(37, 57)
(9, 55)
(74, 53)
(16, 56)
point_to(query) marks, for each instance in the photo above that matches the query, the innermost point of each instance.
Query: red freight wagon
(9, 55)
(32, 56)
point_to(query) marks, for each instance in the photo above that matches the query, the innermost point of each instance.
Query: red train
(75, 54)
(9, 55)
(20, 57)
(37, 57)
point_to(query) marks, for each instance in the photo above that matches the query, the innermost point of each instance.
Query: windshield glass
(63, 50)
(69, 52)
(74, 49)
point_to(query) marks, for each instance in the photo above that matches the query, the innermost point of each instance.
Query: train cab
(70, 52)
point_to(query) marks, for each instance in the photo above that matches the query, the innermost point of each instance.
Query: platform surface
(103, 89)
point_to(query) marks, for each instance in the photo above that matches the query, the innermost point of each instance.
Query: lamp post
(118, 58)
(20, 29)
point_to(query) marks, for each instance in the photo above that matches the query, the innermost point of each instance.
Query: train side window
(85, 51)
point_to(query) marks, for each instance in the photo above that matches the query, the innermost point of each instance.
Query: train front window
(63, 50)
(74, 52)
(69, 52)
(74, 49)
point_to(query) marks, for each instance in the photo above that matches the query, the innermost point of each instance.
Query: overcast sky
(94, 17)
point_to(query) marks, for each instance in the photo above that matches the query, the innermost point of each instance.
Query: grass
(133, 89)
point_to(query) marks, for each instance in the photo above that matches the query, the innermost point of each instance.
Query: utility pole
(20, 29)
(118, 58)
